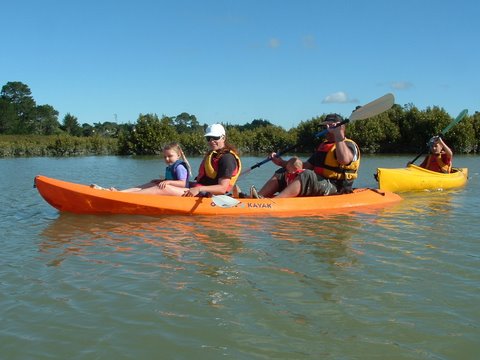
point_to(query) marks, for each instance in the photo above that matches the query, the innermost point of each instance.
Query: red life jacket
(289, 177)
(440, 163)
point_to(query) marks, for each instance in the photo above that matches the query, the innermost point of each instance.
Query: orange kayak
(82, 199)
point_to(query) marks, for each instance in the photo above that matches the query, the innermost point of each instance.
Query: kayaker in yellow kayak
(330, 170)
(440, 157)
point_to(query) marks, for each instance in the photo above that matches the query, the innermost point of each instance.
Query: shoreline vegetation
(55, 146)
(28, 129)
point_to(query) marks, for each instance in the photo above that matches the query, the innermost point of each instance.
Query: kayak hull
(415, 178)
(82, 199)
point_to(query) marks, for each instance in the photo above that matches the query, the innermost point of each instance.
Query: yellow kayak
(415, 178)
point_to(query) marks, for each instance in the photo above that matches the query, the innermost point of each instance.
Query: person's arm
(217, 189)
(283, 163)
(181, 173)
(278, 160)
(308, 164)
(445, 147)
(226, 167)
(177, 183)
(342, 151)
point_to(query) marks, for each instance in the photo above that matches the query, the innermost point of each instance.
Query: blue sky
(234, 61)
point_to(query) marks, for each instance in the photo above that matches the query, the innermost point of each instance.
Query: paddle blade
(373, 108)
(225, 201)
(455, 121)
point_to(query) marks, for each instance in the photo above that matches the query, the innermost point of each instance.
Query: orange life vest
(209, 167)
(330, 168)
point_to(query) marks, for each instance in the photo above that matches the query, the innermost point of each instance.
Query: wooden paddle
(459, 118)
(369, 110)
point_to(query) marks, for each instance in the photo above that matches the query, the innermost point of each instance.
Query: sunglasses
(210, 138)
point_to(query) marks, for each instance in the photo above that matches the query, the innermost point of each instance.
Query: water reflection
(430, 202)
(187, 239)
(308, 254)
(327, 236)
(178, 236)
(253, 254)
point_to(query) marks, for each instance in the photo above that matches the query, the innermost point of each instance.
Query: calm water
(399, 283)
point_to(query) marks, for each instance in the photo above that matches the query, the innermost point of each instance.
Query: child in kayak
(440, 157)
(177, 172)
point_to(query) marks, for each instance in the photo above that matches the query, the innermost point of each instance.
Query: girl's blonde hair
(178, 149)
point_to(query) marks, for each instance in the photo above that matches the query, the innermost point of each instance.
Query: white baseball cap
(215, 130)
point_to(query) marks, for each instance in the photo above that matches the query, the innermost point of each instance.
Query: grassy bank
(56, 145)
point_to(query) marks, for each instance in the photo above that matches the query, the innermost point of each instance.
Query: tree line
(28, 129)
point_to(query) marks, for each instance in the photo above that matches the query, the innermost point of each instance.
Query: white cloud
(338, 98)
(273, 43)
(401, 85)
(309, 42)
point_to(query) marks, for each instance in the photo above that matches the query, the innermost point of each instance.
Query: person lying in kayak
(293, 168)
(440, 157)
(217, 173)
(330, 170)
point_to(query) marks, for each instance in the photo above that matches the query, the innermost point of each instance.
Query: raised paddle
(366, 111)
(455, 121)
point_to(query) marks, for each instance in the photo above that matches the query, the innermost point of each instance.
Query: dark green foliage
(193, 143)
(21, 120)
(71, 125)
(257, 123)
(264, 139)
(45, 122)
(148, 136)
(20, 115)
(306, 131)
(186, 123)
(475, 121)
(464, 136)
(8, 116)
(399, 130)
(57, 145)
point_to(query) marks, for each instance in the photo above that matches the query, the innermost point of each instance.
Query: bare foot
(96, 187)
